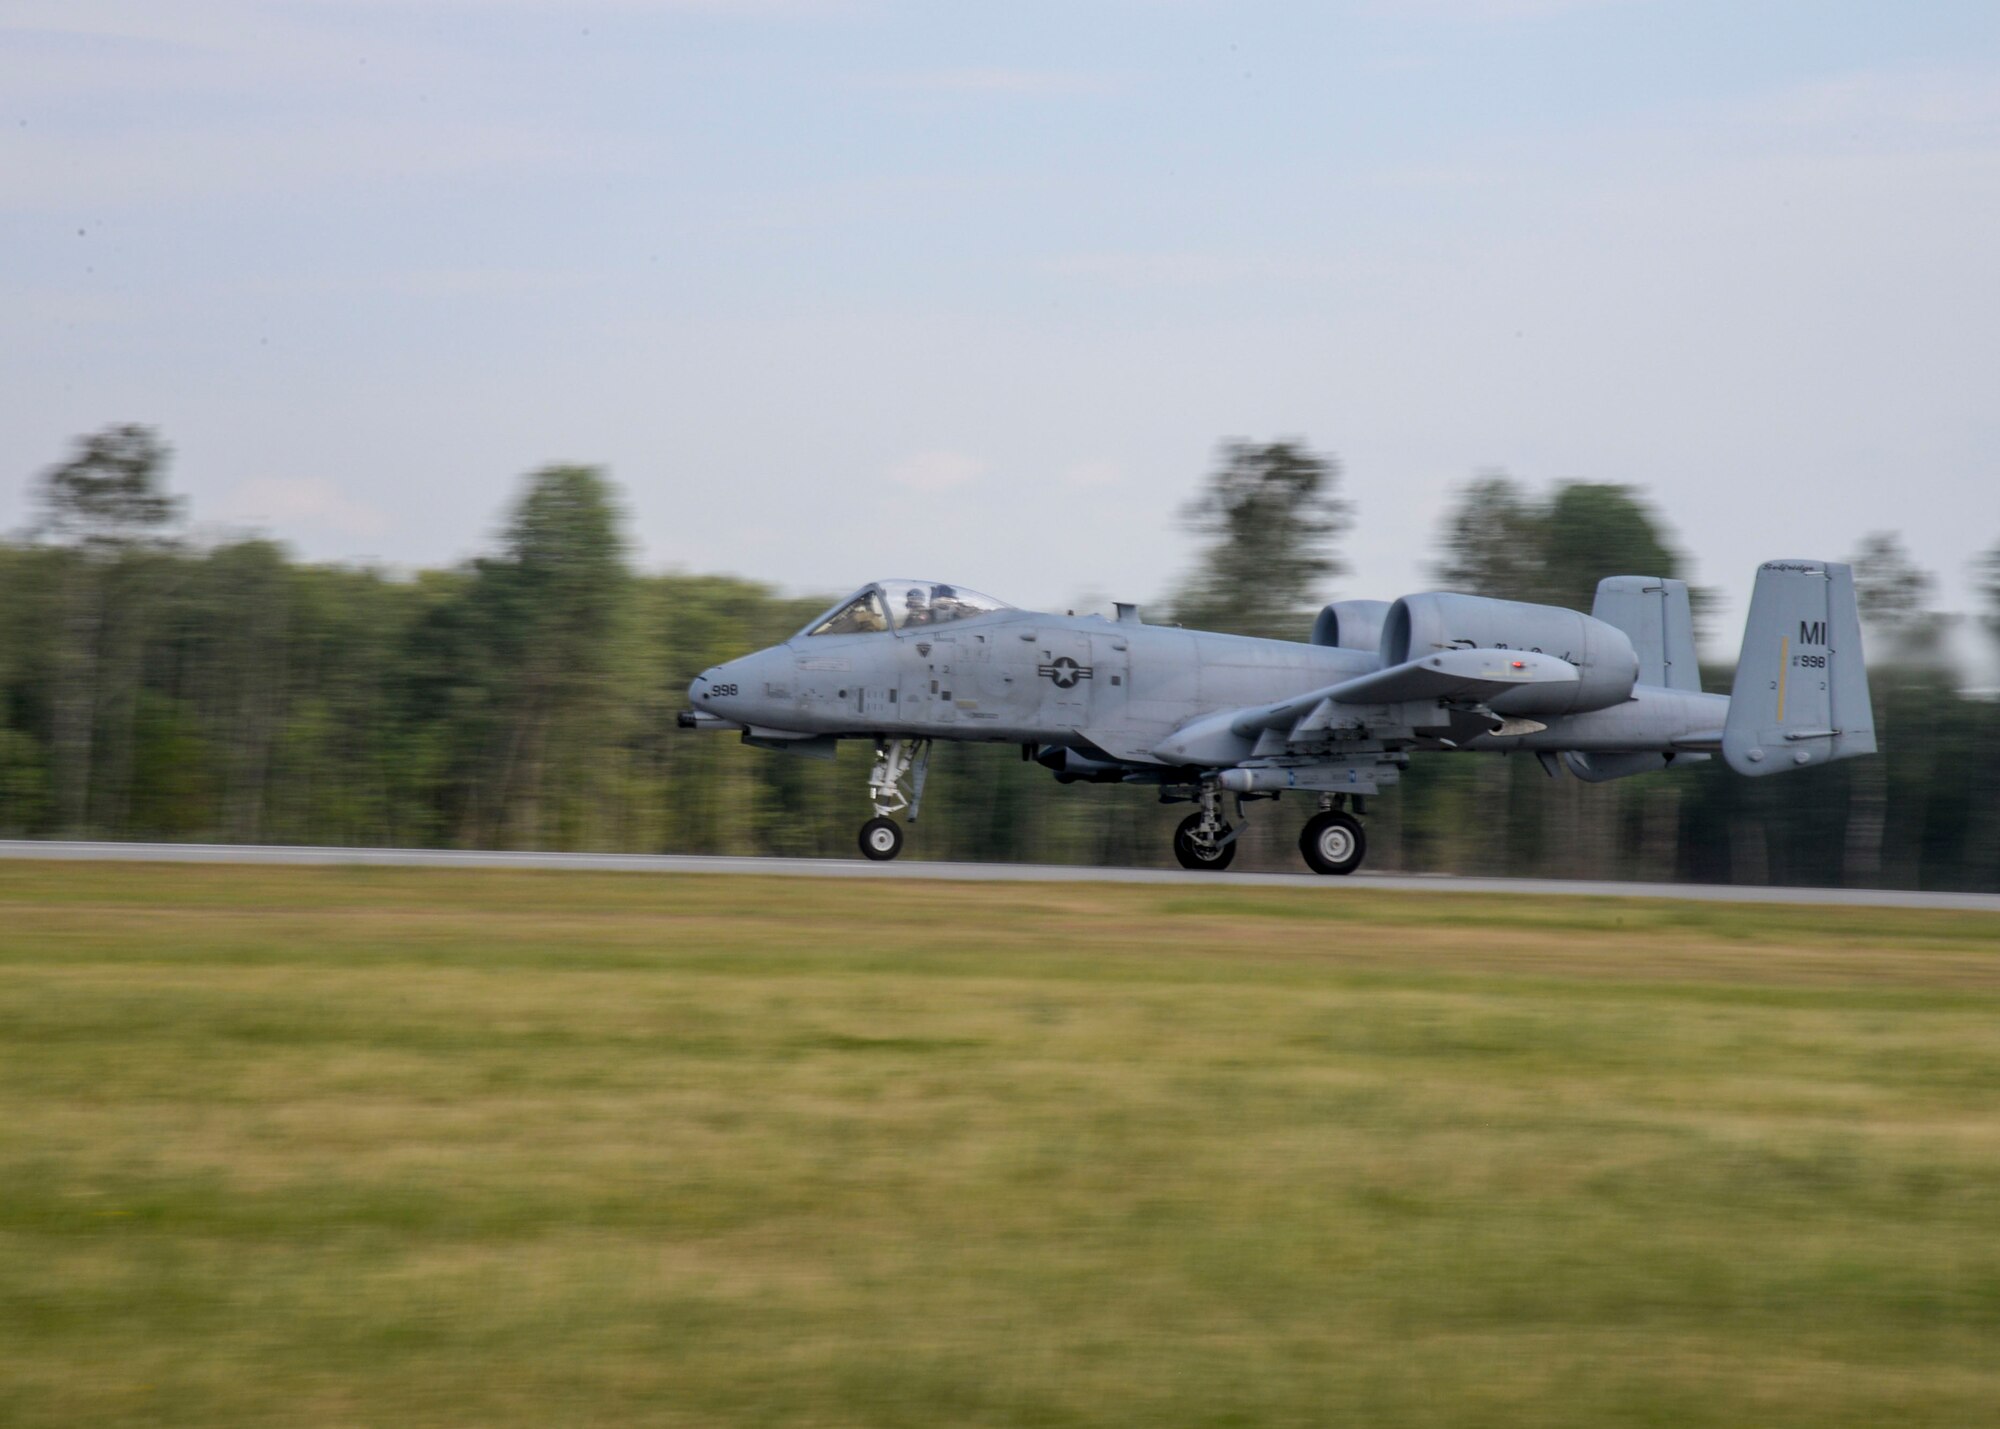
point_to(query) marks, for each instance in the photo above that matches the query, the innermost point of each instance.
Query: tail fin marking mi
(1801, 690)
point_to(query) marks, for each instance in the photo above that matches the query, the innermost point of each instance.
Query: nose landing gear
(898, 762)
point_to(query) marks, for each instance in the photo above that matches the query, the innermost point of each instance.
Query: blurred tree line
(153, 688)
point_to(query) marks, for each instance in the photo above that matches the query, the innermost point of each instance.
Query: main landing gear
(1331, 842)
(1205, 840)
(894, 784)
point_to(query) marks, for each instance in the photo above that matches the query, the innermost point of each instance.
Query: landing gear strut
(1332, 840)
(894, 784)
(1205, 840)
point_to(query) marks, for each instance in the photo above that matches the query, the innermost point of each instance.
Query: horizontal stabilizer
(1599, 768)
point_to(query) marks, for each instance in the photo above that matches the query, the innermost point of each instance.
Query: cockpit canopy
(901, 604)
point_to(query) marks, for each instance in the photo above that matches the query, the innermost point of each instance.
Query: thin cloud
(123, 170)
(1185, 269)
(1493, 11)
(231, 19)
(583, 10)
(1872, 103)
(1094, 475)
(936, 471)
(1000, 82)
(288, 503)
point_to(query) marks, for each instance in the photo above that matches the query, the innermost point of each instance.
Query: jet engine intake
(1419, 625)
(1351, 624)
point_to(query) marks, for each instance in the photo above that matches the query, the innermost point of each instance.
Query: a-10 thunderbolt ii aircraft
(1210, 718)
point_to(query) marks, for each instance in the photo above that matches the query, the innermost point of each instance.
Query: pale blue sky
(839, 288)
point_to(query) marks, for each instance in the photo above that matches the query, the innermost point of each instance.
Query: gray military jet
(1209, 717)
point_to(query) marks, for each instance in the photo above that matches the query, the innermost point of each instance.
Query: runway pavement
(978, 872)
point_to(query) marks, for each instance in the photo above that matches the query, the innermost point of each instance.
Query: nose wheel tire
(1196, 853)
(1332, 842)
(881, 839)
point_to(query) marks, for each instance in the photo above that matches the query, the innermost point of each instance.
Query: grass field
(372, 1147)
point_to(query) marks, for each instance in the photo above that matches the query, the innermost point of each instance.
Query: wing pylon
(1446, 675)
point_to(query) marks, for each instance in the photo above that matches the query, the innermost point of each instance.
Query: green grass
(370, 1147)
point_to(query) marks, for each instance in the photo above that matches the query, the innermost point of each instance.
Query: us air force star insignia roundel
(1064, 671)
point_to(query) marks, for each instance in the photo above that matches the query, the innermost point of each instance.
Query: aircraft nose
(734, 690)
(713, 695)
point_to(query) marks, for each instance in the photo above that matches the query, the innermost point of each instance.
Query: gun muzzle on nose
(702, 716)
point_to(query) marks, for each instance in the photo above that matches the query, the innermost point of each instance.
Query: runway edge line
(310, 855)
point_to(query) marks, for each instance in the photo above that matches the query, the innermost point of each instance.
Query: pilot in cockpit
(901, 604)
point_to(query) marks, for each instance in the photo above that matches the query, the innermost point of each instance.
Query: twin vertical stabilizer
(1655, 615)
(1801, 692)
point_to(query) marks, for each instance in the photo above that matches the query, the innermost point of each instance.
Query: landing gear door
(1063, 664)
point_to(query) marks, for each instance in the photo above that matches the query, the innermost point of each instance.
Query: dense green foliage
(161, 690)
(1503, 542)
(1267, 519)
(396, 1147)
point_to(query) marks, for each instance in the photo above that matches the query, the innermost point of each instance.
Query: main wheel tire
(1333, 842)
(1196, 856)
(881, 839)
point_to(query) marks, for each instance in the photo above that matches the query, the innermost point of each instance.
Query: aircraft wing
(1446, 675)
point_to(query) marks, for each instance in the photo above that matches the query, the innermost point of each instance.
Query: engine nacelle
(1351, 624)
(1418, 625)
